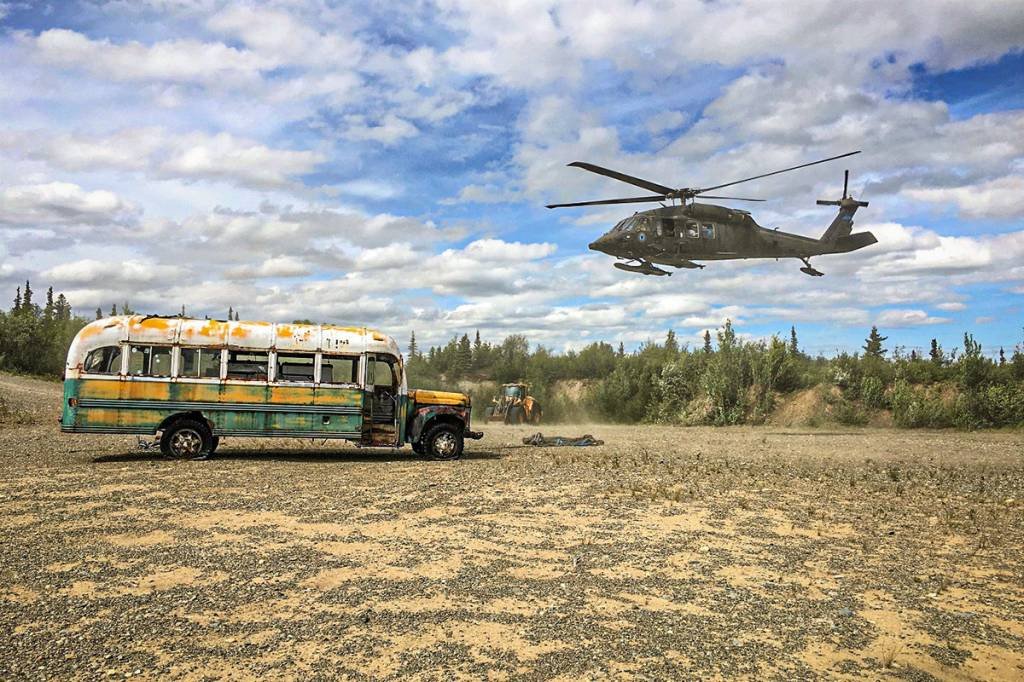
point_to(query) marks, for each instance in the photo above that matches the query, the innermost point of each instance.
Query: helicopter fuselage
(678, 235)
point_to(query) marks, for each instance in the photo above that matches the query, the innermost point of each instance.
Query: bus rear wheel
(443, 441)
(187, 439)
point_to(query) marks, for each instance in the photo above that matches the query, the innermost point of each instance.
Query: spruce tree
(26, 298)
(707, 340)
(935, 354)
(113, 309)
(671, 345)
(622, 349)
(873, 344)
(17, 301)
(99, 313)
(48, 310)
(1002, 356)
(413, 348)
(231, 313)
(794, 348)
(63, 308)
(464, 355)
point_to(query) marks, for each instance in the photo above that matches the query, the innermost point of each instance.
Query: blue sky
(389, 166)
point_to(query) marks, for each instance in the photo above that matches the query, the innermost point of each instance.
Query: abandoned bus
(194, 381)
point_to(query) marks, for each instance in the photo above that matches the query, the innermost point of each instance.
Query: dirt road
(666, 553)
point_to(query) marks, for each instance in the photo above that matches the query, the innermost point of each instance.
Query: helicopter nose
(601, 243)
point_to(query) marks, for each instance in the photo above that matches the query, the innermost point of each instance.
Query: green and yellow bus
(195, 381)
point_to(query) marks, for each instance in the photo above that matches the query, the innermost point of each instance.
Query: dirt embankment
(683, 553)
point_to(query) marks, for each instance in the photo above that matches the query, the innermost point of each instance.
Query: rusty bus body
(193, 381)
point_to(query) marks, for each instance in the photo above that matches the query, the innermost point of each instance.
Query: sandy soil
(666, 553)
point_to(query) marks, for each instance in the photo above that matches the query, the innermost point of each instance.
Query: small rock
(846, 612)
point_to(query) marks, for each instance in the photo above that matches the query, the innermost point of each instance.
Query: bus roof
(153, 329)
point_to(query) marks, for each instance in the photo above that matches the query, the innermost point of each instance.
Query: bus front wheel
(443, 441)
(187, 439)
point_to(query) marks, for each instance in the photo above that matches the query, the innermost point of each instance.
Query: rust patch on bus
(291, 395)
(148, 390)
(233, 393)
(99, 388)
(159, 323)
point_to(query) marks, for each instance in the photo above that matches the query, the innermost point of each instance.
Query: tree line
(728, 381)
(725, 380)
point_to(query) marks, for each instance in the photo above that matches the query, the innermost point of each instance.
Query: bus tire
(417, 447)
(443, 441)
(187, 439)
(214, 444)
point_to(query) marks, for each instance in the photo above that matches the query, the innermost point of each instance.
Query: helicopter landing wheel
(808, 269)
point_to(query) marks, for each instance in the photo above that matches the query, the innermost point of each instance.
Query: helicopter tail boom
(853, 242)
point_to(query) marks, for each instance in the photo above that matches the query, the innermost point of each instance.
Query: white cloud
(907, 318)
(162, 154)
(61, 203)
(223, 156)
(387, 257)
(1000, 198)
(181, 61)
(664, 120)
(131, 272)
(279, 266)
(388, 131)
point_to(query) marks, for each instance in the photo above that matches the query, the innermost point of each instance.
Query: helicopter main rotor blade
(622, 177)
(765, 175)
(599, 202)
(712, 196)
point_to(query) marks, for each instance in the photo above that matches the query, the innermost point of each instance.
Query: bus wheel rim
(186, 443)
(444, 444)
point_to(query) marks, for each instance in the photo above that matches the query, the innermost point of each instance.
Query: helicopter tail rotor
(846, 200)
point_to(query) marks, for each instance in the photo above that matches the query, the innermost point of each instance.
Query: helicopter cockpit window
(626, 225)
(692, 230)
(708, 231)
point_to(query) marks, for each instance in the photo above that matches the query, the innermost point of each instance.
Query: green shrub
(872, 393)
(914, 408)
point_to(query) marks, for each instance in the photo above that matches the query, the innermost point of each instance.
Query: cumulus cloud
(162, 154)
(61, 203)
(173, 60)
(92, 271)
(390, 130)
(907, 318)
(279, 266)
(1000, 198)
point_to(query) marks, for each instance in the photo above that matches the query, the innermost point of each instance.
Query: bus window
(200, 363)
(295, 367)
(248, 365)
(106, 360)
(149, 361)
(381, 372)
(339, 369)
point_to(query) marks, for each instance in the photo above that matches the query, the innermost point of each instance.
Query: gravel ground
(665, 553)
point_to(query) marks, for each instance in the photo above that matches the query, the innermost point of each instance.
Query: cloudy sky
(387, 163)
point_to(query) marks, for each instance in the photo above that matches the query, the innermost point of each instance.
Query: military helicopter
(681, 233)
